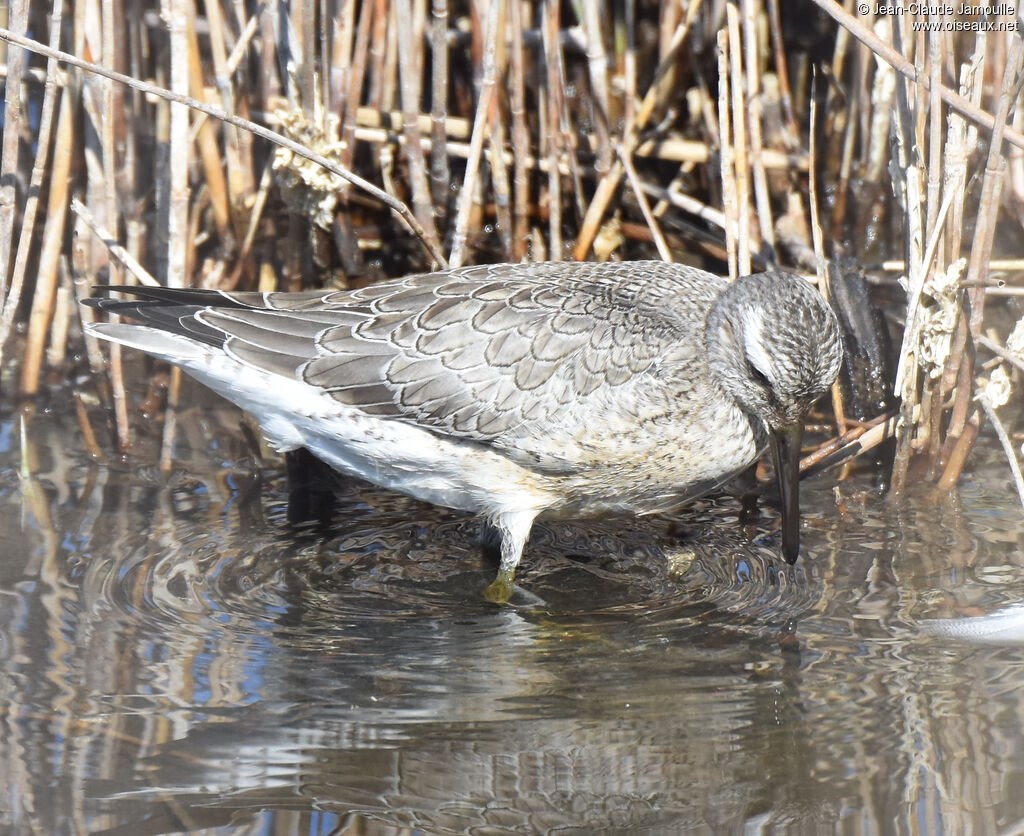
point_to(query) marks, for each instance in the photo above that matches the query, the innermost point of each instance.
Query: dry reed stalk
(818, 241)
(178, 237)
(43, 297)
(668, 149)
(553, 144)
(834, 116)
(324, 37)
(47, 276)
(30, 74)
(645, 207)
(597, 60)
(629, 65)
(566, 135)
(906, 68)
(676, 184)
(440, 172)
(341, 56)
(197, 211)
(688, 204)
(305, 12)
(60, 321)
(931, 401)
(92, 446)
(909, 182)
(10, 143)
(207, 139)
(740, 165)
(667, 27)
(133, 210)
(500, 182)
(347, 65)
(378, 45)
(851, 133)
(410, 96)
(240, 104)
(726, 152)
(936, 48)
(1004, 441)
(781, 68)
(267, 82)
(357, 76)
(520, 136)
(854, 442)
(995, 265)
(961, 139)
(178, 145)
(608, 186)
(480, 125)
(765, 225)
(1004, 291)
(981, 248)
(461, 150)
(393, 203)
(1001, 352)
(390, 91)
(500, 179)
(995, 170)
(877, 154)
(384, 70)
(119, 253)
(237, 155)
(957, 458)
(103, 192)
(82, 277)
(219, 57)
(255, 215)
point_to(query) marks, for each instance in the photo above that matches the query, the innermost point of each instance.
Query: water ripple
(387, 558)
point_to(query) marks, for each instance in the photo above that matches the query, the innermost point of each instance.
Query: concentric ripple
(385, 557)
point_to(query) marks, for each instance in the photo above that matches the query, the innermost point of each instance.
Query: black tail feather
(168, 309)
(173, 295)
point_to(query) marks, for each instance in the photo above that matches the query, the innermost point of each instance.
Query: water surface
(177, 656)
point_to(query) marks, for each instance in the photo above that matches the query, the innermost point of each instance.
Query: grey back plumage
(484, 353)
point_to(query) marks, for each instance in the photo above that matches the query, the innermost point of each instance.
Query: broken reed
(517, 129)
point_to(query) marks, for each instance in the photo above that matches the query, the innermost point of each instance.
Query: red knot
(518, 390)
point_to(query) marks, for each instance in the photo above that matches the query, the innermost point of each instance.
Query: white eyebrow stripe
(753, 344)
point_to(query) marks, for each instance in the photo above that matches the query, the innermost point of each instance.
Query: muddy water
(177, 656)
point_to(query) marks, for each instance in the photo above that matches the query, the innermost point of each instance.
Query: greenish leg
(501, 588)
(515, 530)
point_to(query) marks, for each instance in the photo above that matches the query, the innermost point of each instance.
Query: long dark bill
(785, 443)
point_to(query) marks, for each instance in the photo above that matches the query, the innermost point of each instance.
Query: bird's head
(773, 344)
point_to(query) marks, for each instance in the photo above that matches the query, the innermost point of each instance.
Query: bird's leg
(514, 529)
(312, 488)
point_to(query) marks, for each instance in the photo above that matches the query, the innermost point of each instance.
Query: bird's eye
(758, 376)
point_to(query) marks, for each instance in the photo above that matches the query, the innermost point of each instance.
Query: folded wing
(472, 353)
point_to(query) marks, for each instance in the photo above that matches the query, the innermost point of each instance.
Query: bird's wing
(476, 353)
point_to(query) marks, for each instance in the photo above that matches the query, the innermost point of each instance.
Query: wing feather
(481, 352)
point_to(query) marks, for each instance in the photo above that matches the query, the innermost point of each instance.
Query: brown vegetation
(343, 141)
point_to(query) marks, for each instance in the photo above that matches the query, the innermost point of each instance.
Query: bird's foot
(502, 588)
